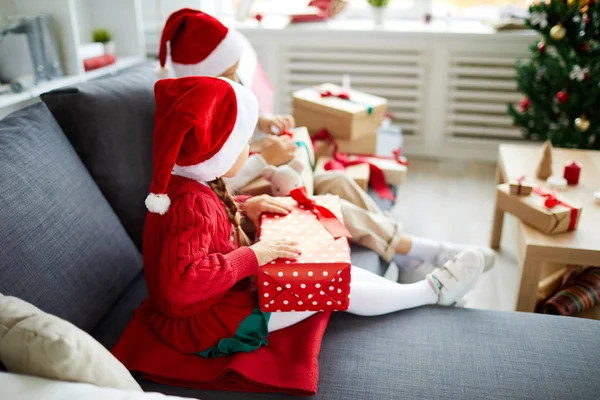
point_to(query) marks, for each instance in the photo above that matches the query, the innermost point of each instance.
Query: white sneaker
(449, 250)
(458, 276)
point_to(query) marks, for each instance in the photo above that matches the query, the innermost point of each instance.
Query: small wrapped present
(394, 169)
(319, 280)
(346, 114)
(542, 209)
(520, 186)
(359, 173)
(305, 154)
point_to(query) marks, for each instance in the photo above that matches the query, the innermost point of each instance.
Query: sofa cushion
(62, 248)
(23, 387)
(110, 123)
(429, 353)
(36, 343)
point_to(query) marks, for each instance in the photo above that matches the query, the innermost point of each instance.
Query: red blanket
(288, 364)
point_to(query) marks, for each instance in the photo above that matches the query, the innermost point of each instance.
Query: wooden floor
(454, 201)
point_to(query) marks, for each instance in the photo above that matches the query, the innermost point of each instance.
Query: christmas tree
(561, 81)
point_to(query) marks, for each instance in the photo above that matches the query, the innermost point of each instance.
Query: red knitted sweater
(197, 279)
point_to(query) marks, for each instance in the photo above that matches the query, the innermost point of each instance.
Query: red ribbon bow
(553, 201)
(327, 218)
(341, 161)
(520, 182)
(342, 94)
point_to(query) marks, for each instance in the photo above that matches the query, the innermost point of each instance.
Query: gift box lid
(317, 244)
(359, 102)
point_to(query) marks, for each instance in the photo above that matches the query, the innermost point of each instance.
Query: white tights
(371, 295)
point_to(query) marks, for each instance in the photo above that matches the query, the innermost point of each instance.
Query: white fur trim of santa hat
(223, 57)
(223, 160)
(158, 203)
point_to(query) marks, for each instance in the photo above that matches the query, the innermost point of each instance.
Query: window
(156, 11)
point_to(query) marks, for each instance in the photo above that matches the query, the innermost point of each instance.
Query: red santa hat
(199, 44)
(201, 126)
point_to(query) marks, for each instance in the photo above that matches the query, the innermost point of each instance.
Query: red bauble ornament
(541, 48)
(525, 104)
(258, 17)
(586, 76)
(562, 97)
(572, 172)
(585, 47)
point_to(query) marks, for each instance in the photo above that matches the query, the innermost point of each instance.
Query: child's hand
(255, 206)
(269, 250)
(275, 124)
(278, 150)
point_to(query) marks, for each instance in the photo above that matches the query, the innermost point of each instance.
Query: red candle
(572, 172)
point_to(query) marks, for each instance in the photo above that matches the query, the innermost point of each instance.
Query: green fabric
(250, 335)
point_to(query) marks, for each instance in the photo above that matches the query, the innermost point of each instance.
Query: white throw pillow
(35, 343)
(22, 387)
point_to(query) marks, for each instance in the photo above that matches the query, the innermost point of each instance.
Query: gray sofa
(74, 171)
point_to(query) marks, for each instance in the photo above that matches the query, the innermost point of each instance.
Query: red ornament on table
(562, 96)
(541, 48)
(525, 104)
(259, 17)
(572, 172)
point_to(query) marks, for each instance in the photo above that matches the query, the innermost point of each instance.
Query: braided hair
(233, 213)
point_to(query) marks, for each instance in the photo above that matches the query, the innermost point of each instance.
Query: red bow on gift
(342, 94)
(324, 215)
(553, 201)
(341, 161)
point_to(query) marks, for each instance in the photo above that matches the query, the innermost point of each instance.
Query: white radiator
(479, 87)
(397, 75)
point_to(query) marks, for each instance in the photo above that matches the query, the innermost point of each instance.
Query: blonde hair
(233, 213)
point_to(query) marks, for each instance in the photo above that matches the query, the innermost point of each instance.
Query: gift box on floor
(359, 173)
(319, 280)
(542, 209)
(346, 114)
(305, 154)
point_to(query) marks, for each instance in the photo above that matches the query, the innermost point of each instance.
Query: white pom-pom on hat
(158, 203)
(161, 72)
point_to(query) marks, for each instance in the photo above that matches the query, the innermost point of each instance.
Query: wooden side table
(537, 250)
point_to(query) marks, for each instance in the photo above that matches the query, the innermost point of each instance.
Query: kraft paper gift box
(395, 173)
(364, 146)
(305, 154)
(359, 173)
(319, 280)
(540, 210)
(520, 186)
(323, 107)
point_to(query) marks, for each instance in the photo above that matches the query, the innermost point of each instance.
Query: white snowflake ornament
(578, 73)
(539, 18)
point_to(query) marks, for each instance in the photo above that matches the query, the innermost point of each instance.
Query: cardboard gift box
(347, 115)
(394, 172)
(541, 209)
(359, 173)
(520, 186)
(319, 280)
(305, 154)
(366, 145)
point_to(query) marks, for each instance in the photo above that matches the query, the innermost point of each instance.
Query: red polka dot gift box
(319, 280)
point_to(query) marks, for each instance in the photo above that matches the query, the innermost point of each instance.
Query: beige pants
(369, 225)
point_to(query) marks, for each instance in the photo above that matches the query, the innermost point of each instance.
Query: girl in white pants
(371, 294)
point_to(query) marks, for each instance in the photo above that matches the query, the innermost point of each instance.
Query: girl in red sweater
(198, 262)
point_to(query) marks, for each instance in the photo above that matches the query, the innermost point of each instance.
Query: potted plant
(378, 7)
(103, 36)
